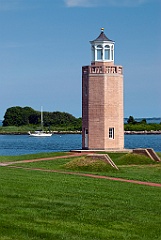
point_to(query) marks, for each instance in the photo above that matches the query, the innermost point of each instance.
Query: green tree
(143, 121)
(34, 118)
(131, 120)
(17, 116)
(13, 117)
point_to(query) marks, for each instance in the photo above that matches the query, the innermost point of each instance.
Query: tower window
(107, 52)
(112, 53)
(99, 52)
(93, 53)
(111, 133)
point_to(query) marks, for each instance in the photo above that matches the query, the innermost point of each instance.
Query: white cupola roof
(102, 48)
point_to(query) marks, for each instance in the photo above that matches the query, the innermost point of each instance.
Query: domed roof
(102, 37)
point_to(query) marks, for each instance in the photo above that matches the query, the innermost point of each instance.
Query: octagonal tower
(102, 98)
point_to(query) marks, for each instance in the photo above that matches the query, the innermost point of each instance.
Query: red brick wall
(102, 108)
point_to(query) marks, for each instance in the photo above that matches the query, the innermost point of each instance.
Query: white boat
(40, 133)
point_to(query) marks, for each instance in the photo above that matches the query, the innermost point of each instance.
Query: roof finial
(102, 29)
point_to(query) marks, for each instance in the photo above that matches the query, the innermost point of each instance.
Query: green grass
(31, 156)
(128, 164)
(159, 154)
(39, 205)
(25, 128)
(144, 172)
(15, 129)
(74, 127)
(88, 164)
(132, 159)
(142, 127)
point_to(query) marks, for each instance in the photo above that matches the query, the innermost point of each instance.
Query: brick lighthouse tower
(102, 98)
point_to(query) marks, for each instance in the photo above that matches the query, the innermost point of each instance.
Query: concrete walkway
(42, 159)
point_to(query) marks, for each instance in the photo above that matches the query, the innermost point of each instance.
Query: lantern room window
(99, 52)
(107, 52)
(93, 53)
(112, 52)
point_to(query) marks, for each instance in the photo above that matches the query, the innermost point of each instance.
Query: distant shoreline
(152, 132)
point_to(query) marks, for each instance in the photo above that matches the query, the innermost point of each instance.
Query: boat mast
(41, 118)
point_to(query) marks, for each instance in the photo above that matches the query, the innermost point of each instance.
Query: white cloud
(79, 3)
(93, 3)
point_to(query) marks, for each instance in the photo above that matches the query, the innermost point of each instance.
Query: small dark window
(111, 133)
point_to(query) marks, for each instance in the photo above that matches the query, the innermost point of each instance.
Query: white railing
(102, 70)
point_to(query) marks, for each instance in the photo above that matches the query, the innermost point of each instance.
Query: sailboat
(40, 133)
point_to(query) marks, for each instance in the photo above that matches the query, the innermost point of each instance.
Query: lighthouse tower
(102, 98)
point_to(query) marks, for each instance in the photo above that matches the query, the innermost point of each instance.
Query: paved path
(10, 164)
(42, 159)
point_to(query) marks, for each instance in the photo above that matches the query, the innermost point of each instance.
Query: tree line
(26, 116)
(133, 125)
(20, 116)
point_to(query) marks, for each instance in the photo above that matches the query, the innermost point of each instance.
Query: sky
(45, 43)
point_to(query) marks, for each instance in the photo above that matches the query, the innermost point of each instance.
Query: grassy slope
(129, 167)
(38, 205)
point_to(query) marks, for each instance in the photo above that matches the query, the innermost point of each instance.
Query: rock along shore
(142, 132)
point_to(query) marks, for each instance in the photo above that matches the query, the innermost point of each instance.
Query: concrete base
(103, 150)
(148, 152)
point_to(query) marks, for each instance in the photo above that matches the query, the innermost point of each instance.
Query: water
(24, 144)
(143, 141)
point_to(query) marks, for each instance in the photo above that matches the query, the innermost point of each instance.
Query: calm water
(24, 144)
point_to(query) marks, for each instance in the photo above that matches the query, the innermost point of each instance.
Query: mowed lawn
(130, 166)
(47, 205)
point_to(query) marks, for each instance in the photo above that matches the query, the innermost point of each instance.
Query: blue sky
(45, 43)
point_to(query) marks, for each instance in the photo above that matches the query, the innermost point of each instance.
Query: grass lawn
(41, 205)
(31, 156)
(130, 166)
(38, 205)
